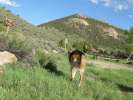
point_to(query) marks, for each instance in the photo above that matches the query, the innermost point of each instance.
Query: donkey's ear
(70, 51)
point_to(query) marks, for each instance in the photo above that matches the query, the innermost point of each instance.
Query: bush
(15, 45)
(40, 57)
(3, 42)
(2, 28)
(62, 44)
(46, 62)
(18, 46)
(81, 45)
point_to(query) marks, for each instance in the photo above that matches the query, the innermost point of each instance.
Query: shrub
(81, 45)
(3, 42)
(41, 58)
(16, 45)
(2, 28)
(13, 44)
(46, 62)
(62, 44)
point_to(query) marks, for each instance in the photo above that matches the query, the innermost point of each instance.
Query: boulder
(7, 57)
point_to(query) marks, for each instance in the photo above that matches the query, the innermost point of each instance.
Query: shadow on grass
(124, 88)
(52, 68)
(105, 80)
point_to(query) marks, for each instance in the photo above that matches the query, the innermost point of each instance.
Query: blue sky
(115, 12)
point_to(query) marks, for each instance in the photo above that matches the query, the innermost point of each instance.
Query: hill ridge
(87, 28)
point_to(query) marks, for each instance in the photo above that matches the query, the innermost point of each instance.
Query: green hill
(32, 35)
(96, 33)
(80, 31)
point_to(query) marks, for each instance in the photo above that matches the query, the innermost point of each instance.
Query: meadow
(22, 81)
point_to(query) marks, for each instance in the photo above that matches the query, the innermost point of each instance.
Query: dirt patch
(111, 65)
(78, 21)
(111, 32)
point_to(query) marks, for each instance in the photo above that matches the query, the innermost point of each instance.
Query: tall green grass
(21, 82)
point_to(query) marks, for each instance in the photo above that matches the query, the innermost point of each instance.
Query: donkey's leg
(73, 73)
(81, 76)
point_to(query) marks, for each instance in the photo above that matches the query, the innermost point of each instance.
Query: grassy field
(21, 82)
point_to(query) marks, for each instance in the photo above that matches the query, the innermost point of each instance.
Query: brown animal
(7, 57)
(78, 62)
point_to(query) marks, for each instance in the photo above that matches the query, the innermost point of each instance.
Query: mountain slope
(32, 35)
(96, 33)
(76, 28)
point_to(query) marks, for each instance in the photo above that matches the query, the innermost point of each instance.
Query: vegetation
(93, 34)
(23, 30)
(131, 39)
(14, 44)
(50, 36)
(21, 82)
(39, 76)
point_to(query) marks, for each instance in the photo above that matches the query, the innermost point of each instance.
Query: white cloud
(9, 2)
(94, 1)
(117, 5)
(121, 7)
(106, 3)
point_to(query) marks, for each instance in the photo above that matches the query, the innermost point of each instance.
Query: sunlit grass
(35, 83)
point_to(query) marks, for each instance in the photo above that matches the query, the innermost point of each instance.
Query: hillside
(80, 31)
(24, 31)
(96, 33)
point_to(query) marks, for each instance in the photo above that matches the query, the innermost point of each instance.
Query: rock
(7, 57)
(77, 21)
(112, 32)
(46, 51)
(54, 51)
